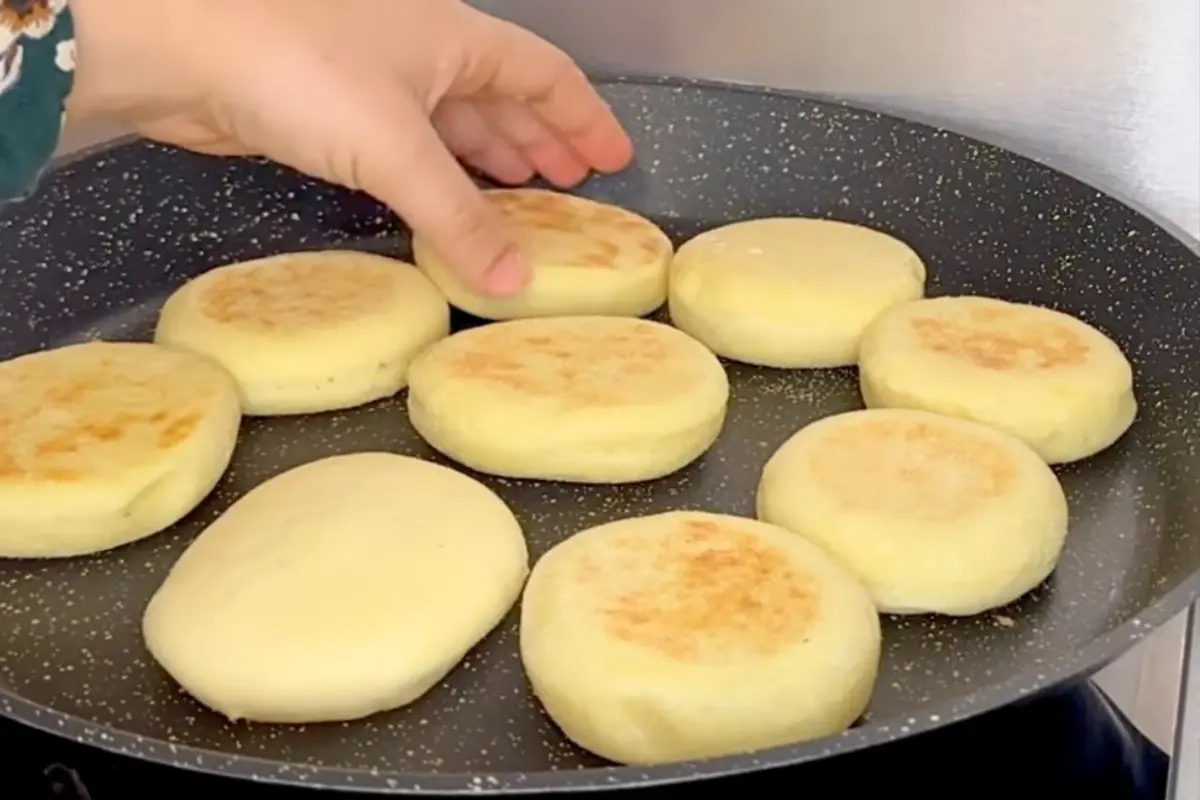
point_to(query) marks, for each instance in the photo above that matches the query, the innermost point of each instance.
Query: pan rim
(1079, 665)
(1008, 145)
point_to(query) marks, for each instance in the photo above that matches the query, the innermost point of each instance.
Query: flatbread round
(308, 332)
(1048, 378)
(688, 635)
(338, 589)
(587, 258)
(583, 399)
(789, 292)
(932, 513)
(105, 443)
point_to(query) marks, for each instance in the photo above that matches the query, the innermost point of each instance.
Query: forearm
(37, 63)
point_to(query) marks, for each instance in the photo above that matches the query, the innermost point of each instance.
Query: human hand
(377, 95)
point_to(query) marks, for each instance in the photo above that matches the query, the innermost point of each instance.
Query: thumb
(405, 165)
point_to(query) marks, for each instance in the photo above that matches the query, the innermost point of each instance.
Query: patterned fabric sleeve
(37, 64)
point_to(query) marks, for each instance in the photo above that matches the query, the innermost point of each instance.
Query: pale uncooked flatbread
(308, 332)
(790, 292)
(1046, 377)
(583, 399)
(932, 513)
(105, 443)
(687, 635)
(341, 588)
(587, 258)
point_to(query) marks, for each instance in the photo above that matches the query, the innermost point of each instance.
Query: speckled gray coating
(110, 236)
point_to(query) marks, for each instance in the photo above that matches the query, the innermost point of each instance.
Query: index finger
(522, 65)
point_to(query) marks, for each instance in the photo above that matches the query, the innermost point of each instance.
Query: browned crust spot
(580, 369)
(301, 291)
(596, 225)
(911, 468)
(63, 422)
(703, 592)
(983, 339)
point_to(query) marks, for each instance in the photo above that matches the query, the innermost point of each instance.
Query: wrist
(86, 101)
(123, 58)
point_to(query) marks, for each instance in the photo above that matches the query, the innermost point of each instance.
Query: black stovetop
(1072, 743)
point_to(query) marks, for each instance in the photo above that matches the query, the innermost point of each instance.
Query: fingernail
(507, 275)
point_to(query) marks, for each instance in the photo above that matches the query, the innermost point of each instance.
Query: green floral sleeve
(37, 64)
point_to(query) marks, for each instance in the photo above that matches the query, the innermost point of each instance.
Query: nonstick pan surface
(109, 236)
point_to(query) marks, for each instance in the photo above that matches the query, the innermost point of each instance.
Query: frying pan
(110, 235)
